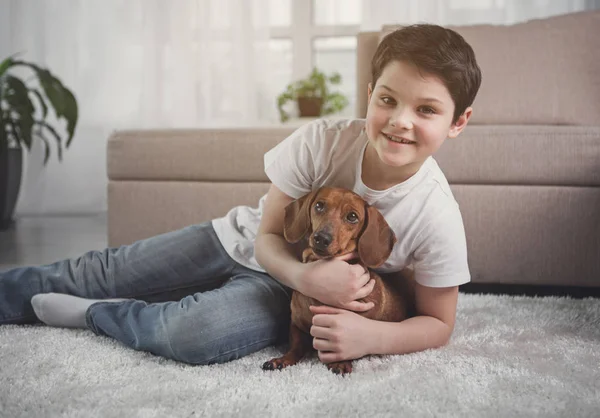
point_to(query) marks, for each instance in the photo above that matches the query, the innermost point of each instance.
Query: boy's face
(409, 116)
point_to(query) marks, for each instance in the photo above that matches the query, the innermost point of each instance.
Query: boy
(238, 270)
(424, 80)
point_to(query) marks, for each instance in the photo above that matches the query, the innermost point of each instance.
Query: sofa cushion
(545, 71)
(543, 155)
(535, 155)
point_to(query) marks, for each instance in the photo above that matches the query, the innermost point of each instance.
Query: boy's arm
(440, 257)
(271, 249)
(430, 328)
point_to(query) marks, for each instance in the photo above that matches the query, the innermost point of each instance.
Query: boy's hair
(433, 50)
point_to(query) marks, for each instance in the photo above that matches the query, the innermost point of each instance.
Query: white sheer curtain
(376, 13)
(177, 64)
(136, 64)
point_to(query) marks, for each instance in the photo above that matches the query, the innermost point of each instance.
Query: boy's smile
(408, 118)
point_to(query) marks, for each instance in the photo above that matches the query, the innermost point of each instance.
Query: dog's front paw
(277, 363)
(340, 367)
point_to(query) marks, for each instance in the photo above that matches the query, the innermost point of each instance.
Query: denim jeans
(189, 301)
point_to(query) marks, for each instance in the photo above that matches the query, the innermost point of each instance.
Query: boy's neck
(378, 176)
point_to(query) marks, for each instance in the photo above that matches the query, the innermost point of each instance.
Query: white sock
(66, 311)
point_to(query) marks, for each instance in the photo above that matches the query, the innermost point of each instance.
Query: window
(280, 65)
(320, 33)
(336, 12)
(338, 54)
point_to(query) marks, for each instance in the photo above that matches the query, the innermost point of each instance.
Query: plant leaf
(54, 134)
(41, 101)
(71, 114)
(5, 65)
(61, 98)
(52, 87)
(16, 95)
(335, 103)
(335, 78)
(41, 136)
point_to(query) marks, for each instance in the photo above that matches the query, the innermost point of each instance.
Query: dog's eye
(352, 217)
(319, 206)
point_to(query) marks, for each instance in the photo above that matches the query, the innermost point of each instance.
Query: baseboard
(577, 292)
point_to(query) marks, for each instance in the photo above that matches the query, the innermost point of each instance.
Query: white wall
(135, 64)
(75, 186)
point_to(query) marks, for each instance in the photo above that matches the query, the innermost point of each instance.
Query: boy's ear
(460, 124)
(369, 92)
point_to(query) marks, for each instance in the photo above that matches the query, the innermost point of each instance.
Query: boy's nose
(402, 118)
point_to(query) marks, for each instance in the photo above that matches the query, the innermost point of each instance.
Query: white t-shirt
(421, 210)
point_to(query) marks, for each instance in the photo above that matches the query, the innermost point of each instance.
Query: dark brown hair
(437, 51)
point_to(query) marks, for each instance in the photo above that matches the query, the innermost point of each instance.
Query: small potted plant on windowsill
(23, 118)
(313, 96)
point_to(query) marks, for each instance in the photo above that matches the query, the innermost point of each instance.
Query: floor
(39, 240)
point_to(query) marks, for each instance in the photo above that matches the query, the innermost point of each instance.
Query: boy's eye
(352, 217)
(387, 100)
(427, 110)
(319, 207)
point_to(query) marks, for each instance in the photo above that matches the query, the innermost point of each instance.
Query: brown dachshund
(336, 222)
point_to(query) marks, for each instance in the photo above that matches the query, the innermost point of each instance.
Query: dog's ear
(296, 222)
(376, 242)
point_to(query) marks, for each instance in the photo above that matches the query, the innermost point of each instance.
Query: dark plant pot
(310, 106)
(11, 167)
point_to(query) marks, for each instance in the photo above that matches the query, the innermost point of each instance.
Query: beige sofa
(526, 172)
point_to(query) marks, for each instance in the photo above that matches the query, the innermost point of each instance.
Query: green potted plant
(23, 119)
(313, 95)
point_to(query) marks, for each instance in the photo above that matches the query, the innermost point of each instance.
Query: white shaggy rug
(509, 356)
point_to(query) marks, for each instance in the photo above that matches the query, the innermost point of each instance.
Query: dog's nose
(322, 239)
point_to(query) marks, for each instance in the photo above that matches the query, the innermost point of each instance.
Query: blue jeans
(190, 301)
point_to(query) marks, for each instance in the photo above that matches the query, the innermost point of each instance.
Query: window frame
(303, 32)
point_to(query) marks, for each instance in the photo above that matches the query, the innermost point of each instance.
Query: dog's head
(338, 221)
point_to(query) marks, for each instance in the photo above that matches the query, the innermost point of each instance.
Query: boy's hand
(336, 283)
(339, 334)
